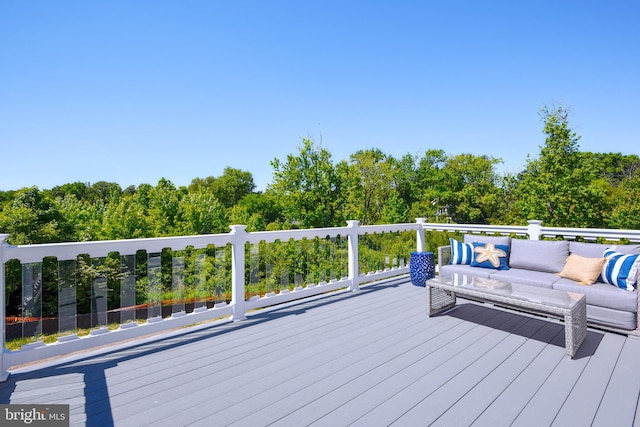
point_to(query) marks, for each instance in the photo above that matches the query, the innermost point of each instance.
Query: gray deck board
(368, 358)
(621, 396)
(512, 399)
(583, 401)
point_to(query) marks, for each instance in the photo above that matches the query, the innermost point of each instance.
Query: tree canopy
(562, 186)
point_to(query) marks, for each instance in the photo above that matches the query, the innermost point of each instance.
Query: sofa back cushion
(539, 255)
(626, 249)
(588, 250)
(496, 240)
(595, 250)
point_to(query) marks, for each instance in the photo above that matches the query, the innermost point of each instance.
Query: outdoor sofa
(612, 306)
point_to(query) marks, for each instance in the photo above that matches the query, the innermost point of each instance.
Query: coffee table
(572, 307)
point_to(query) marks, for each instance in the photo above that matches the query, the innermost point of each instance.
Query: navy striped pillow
(620, 270)
(461, 253)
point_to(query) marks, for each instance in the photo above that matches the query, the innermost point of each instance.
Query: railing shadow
(537, 328)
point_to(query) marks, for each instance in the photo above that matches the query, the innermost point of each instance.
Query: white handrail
(535, 230)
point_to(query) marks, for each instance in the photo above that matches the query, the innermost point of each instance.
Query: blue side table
(421, 267)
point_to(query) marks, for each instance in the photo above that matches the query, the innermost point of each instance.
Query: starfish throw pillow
(489, 255)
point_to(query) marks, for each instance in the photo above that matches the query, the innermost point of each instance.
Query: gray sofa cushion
(539, 255)
(526, 277)
(496, 240)
(588, 250)
(626, 249)
(466, 269)
(615, 318)
(595, 250)
(602, 295)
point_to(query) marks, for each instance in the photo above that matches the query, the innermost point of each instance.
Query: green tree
(406, 179)
(80, 190)
(556, 187)
(371, 181)
(105, 191)
(308, 187)
(232, 186)
(229, 188)
(125, 219)
(474, 196)
(395, 209)
(434, 192)
(265, 205)
(85, 218)
(201, 213)
(31, 217)
(164, 202)
(625, 212)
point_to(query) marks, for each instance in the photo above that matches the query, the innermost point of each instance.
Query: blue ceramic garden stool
(421, 267)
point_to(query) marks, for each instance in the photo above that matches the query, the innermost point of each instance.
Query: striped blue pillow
(461, 253)
(620, 270)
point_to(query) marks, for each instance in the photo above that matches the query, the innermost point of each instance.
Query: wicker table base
(572, 307)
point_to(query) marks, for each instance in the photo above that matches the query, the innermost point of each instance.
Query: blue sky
(132, 91)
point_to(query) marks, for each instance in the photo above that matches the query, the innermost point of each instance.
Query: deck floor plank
(368, 392)
(347, 360)
(297, 357)
(584, 400)
(466, 410)
(417, 391)
(506, 407)
(337, 390)
(620, 399)
(459, 385)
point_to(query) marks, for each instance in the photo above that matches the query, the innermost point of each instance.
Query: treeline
(562, 186)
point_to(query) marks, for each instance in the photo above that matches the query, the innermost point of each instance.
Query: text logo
(34, 415)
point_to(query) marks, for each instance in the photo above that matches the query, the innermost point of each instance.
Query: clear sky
(130, 91)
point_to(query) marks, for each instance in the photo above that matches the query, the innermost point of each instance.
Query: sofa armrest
(444, 256)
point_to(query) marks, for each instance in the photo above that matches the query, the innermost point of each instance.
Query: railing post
(354, 267)
(4, 372)
(534, 230)
(421, 243)
(238, 305)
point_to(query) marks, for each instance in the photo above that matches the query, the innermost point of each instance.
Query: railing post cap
(3, 237)
(534, 222)
(237, 227)
(421, 220)
(353, 223)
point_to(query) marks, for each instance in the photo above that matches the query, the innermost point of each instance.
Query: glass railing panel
(127, 289)
(31, 299)
(270, 267)
(177, 285)
(99, 293)
(222, 274)
(67, 299)
(200, 281)
(299, 262)
(154, 286)
(253, 272)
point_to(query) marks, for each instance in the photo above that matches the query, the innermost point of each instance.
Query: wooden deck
(368, 358)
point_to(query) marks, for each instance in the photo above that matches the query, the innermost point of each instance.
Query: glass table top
(516, 291)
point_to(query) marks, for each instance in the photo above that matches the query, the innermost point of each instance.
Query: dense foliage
(562, 186)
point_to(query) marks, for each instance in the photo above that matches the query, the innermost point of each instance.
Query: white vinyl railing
(535, 231)
(244, 271)
(236, 272)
